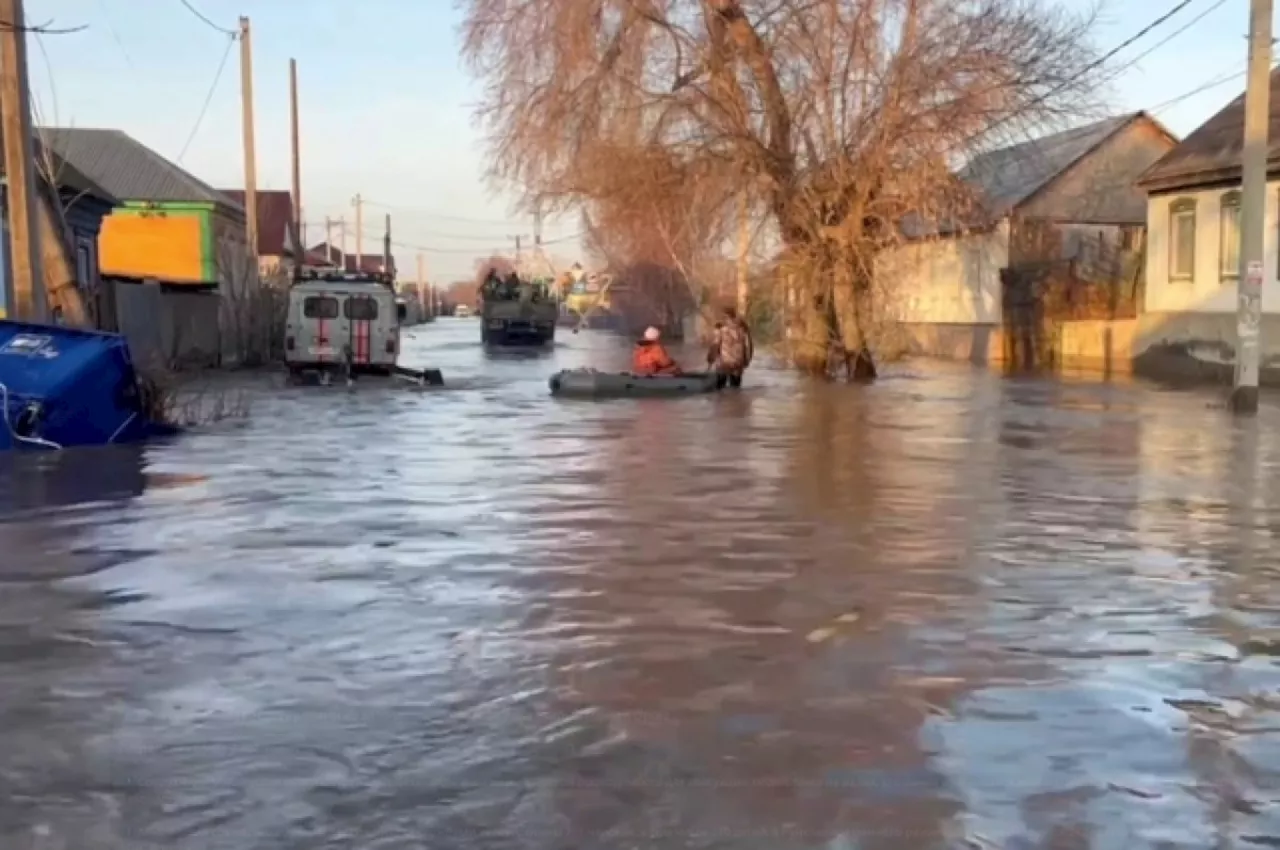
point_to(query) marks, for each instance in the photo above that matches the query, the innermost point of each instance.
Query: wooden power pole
(1253, 208)
(25, 296)
(358, 203)
(386, 246)
(299, 237)
(250, 156)
(342, 235)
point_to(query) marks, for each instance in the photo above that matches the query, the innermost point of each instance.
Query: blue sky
(387, 105)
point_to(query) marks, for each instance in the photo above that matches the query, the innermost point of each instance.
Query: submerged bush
(168, 400)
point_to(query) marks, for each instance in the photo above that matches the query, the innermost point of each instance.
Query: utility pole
(1257, 106)
(24, 297)
(744, 250)
(300, 237)
(342, 234)
(386, 246)
(250, 157)
(328, 236)
(358, 203)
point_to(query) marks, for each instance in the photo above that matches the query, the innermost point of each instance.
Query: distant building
(170, 226)
(370, 263)
(275, 228)
(1039, 202)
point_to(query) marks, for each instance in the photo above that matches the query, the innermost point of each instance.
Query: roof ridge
(63, 140)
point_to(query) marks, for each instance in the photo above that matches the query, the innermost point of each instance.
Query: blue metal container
(63, 387)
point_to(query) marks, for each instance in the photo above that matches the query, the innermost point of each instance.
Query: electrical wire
(425, 213)
(193, 10)
(1110, 54)
(208, 98)
(44, 29)
(1089, 67)
(1203, 87)
(115, 35)
(1171, 36)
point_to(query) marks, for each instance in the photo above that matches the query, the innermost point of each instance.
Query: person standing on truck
(731, 349)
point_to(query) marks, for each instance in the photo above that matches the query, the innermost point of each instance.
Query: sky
(387, 107)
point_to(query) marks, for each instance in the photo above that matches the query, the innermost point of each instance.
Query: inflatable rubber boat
(587, 383)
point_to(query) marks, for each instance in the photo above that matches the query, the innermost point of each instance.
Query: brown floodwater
(950, 610)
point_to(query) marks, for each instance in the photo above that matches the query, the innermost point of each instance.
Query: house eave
(1205, 178)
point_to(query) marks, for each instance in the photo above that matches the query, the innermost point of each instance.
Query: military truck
(517, 312)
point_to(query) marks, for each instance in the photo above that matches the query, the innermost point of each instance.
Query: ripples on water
(946, 611)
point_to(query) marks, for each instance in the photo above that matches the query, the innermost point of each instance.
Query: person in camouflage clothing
(731, 349)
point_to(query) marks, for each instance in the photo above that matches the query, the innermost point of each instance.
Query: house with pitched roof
(170, 227)
(1193, 221)
(366, 263)
(1051, 199)
(72, 208)
(276, 239)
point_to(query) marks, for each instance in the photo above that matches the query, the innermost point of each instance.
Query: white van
(338, 322)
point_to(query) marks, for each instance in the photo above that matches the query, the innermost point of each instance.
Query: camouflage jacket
(731, 347)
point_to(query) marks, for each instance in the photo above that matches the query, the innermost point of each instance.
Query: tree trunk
(827, 325)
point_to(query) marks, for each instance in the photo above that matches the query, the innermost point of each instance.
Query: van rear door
(361, 312)
(321, 331)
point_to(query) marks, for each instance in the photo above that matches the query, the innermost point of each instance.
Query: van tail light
(391, 346)
(288, 343)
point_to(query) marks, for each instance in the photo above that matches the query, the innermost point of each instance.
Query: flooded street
(950, 610)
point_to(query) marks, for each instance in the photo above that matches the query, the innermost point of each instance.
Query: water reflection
(947, 610)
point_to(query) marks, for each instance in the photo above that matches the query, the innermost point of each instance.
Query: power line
(1091, 66)
(46, 28)
(115, 35)
(208, 98)
(193, 10)
(1171, 36)
(1178, 7)
(462, 237)
(1203, 87)
(425, 213)
(427, 249)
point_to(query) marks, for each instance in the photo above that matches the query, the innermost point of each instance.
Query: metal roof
(67, 176)
(1005, 178)
(275, 219)
(128, 169)
(1211, 154)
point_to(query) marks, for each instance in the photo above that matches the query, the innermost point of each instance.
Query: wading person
(731, 349)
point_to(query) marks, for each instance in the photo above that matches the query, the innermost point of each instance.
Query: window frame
(84, 264)
(349, 314)
(320, 299)
(1229, 201)
(1177, 209)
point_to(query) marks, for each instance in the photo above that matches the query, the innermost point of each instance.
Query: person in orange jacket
(650, 358)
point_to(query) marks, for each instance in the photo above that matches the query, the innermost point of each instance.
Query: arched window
(1182, 239)
(1229, 237)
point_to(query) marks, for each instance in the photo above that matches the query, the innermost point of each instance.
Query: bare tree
(657, 218)
(841, 118)
(252, 308)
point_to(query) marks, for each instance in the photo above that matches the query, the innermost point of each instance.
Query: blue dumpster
(63, 387)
